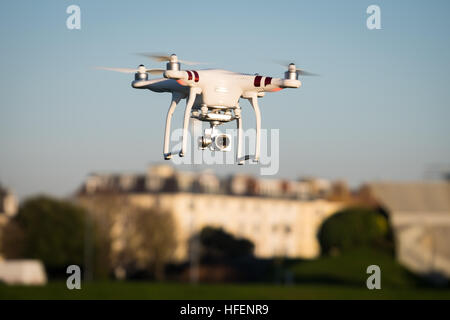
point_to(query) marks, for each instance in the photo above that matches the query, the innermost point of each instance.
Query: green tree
(157, 244)
(217, 245)
(355, 228)
(12, 240)
(53, 232)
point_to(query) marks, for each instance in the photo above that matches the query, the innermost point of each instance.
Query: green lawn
(341, 277)
(147, 290)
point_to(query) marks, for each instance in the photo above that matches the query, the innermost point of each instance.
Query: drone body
(212, 95)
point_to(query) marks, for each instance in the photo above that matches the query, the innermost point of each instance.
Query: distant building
(420, 216)
(281, 217)
(100, 183)
(276, 226)
(164, 178)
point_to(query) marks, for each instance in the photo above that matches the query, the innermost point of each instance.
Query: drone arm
(254, 102)
(187, 114)
(277, 84)
(176, 97)
(176, 74)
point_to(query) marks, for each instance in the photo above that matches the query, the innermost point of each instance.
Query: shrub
(355, 228)
(53, 231)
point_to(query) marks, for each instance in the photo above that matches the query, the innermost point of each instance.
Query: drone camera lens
(222, 141)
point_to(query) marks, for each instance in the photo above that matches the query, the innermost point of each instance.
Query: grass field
(147, 290)
(340, 277)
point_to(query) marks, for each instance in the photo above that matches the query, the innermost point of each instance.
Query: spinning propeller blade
(123, 70)
(300, 72)
(161, 57)
(132, 70)
(155, 71)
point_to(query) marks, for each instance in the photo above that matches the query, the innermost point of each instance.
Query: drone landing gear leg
(187, 114)
(239, 134)
(254, 102)
(175, 100)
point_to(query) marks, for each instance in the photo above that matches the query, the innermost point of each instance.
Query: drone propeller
(133, 70)
(291, 67)
(302, 72)
(161, 57)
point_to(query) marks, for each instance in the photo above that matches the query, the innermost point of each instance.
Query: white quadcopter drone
(212, 96)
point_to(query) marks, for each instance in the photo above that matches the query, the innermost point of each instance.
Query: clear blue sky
(380, 110)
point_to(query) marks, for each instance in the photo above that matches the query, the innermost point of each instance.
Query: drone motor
(292, 73)
(141, 74)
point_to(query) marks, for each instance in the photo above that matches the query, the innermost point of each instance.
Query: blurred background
(364, 150)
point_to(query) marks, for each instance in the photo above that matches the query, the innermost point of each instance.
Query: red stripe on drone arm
(197, 77)
(189, 75)
(275, 85)
(267, 81)
(257, 81)
(276, 89)
(181, 82)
